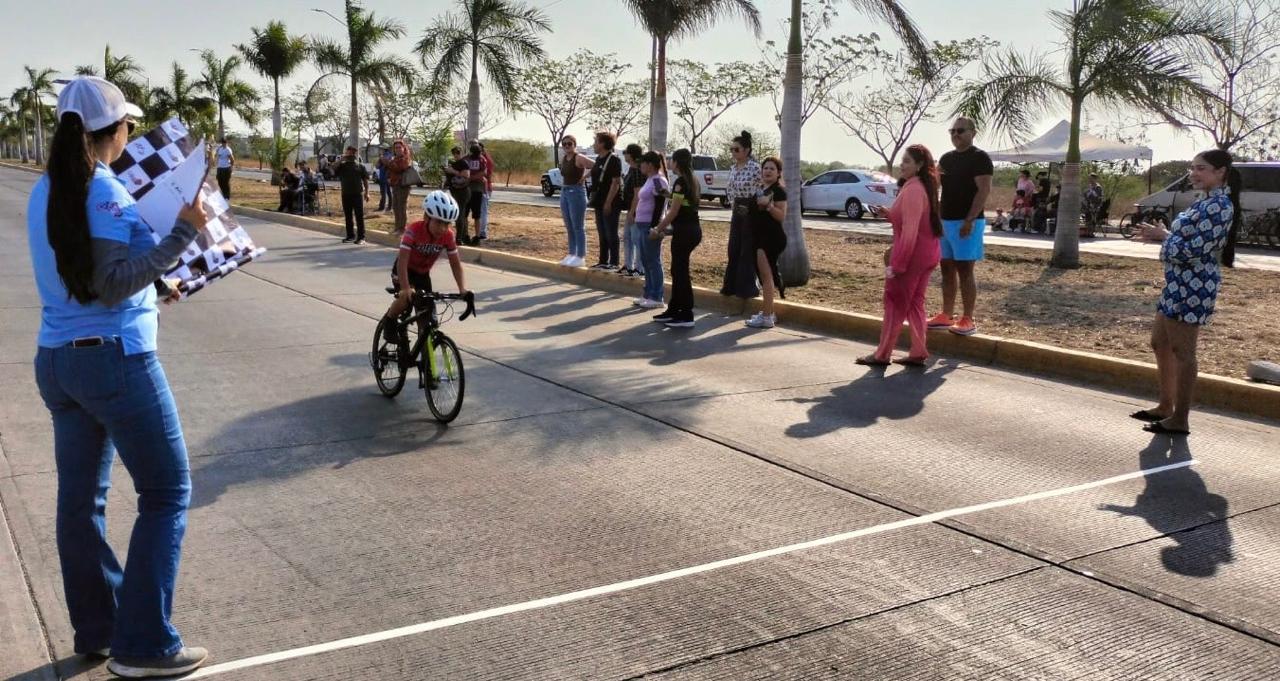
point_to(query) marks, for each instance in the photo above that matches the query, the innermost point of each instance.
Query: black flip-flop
(1159, 428)
(910, 361)
(1146, 415)
(870, 362)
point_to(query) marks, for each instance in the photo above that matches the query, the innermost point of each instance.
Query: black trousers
(740, 271)
(607, 230)
(224, 182)
(353, 213)
(463, 197)
(685, 239)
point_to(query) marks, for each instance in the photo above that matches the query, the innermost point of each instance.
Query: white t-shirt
(224, 157)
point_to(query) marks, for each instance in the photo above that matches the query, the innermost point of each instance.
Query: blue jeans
(483, 230)
(636, 234)
(102, 400)
(573, 208)
(651, 257)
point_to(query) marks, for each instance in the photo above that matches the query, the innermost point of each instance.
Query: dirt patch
(1106, 306)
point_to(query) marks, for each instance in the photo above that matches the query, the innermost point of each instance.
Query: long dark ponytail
(683, 160)
(70, 169)
(928, 175)
(1221, 159)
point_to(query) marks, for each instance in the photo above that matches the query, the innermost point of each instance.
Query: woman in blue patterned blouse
(1200, 238)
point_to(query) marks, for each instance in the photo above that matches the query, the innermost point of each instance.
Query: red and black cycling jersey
(425, 248)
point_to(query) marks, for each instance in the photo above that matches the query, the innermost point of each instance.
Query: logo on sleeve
(111, 207)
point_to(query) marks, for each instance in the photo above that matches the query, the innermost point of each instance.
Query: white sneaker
(575, 261)
(638, 302)
(652, 304)
(565, 260)
(761, 320)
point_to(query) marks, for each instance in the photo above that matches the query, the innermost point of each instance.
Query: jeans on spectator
(636, 234)
(384, 194)
(353, 214)
(607, 230)
(483, 230)
(573, 209)
(686, 238)
(651, 256)
(400, 206)
(224, 182)
(463, 198)
(102, 400)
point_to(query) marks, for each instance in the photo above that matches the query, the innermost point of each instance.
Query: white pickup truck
(704, 167)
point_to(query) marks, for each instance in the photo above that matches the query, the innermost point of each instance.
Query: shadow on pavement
(1178, 504)
(69, 667)
(875, 395)
(358, 423)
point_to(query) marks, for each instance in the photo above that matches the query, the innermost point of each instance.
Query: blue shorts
(955, 248)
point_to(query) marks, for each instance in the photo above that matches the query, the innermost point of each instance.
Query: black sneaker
(684, 321)
(347, 240)
(389, 332)
(184, 661)
(665, 317)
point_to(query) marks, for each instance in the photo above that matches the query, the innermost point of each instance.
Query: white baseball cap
(98, 102)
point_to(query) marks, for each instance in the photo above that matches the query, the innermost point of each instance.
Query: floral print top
(1190, 255)
(744, 181)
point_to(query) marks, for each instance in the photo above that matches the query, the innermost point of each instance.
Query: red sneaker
(963, 327)
(941, 320)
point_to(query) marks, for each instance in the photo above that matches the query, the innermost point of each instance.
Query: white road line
(423, 627)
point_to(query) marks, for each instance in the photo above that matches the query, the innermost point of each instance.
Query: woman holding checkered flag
(95, 263)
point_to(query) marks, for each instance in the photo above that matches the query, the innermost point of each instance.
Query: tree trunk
(354, 135)
(472, 131)
(1066, 242)
(39, 135)
(276, 124)
(793, 265)
(23, 140)
(222, 126)
(658, 140)
(653, 81)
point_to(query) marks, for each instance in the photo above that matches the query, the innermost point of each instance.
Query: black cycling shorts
(419, 280)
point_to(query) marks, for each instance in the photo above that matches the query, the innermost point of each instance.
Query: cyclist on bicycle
(421, 246)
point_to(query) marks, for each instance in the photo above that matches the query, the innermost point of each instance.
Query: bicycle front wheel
(385, 361)
(446, 383)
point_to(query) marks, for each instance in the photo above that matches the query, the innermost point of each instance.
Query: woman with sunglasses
(95, 262)
(573, 200)
(744, 181)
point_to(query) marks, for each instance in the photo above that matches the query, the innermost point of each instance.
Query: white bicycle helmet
(440, 206)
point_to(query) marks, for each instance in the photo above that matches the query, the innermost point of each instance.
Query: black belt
(88, 342)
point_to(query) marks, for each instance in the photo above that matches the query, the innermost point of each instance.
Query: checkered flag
(153, 167)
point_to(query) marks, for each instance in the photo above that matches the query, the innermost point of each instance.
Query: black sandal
(1159, 428)
(1146, 415)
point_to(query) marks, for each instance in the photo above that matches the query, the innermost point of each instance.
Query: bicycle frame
(427, 331)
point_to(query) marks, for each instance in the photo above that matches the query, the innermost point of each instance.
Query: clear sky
(63, 33)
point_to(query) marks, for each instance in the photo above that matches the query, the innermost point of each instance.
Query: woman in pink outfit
(914, 254)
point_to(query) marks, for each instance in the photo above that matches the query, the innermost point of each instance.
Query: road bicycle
(420, 343)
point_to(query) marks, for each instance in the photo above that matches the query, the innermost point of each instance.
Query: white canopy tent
(1051, 147)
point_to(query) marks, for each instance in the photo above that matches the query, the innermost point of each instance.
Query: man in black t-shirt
(459, 173)
(966, 182)
(354, 180)
(606, 182)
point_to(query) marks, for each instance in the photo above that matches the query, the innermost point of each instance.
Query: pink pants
(904, 300)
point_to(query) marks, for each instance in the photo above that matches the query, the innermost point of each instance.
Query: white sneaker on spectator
(565, 260)
(761, 320)
(652, 304)
(576, 261)
(638, 301)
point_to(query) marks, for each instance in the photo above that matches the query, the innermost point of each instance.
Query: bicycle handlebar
(469, 297)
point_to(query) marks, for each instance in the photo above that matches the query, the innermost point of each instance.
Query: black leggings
(683, 242)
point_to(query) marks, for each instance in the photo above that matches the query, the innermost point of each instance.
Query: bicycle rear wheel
(445, 389)
(385, 361)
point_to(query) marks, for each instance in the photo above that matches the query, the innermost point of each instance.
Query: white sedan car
(852, 192)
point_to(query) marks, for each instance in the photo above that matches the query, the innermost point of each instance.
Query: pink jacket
(914, 245)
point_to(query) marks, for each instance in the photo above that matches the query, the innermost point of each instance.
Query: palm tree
(1119, 53)
(667, 20)
(227, 92)
(39, 85)
(793, 265)
(180, 99)
(19, 100)
(274, 54)
(357, 60)
(122, 70)
(500, 34)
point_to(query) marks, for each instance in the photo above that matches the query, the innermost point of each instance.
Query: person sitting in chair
(289, 183)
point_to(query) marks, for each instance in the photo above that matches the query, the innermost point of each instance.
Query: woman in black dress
(769, 238)
(744, 182)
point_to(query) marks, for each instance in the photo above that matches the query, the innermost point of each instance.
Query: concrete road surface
(620, 500)
(1110, 244)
